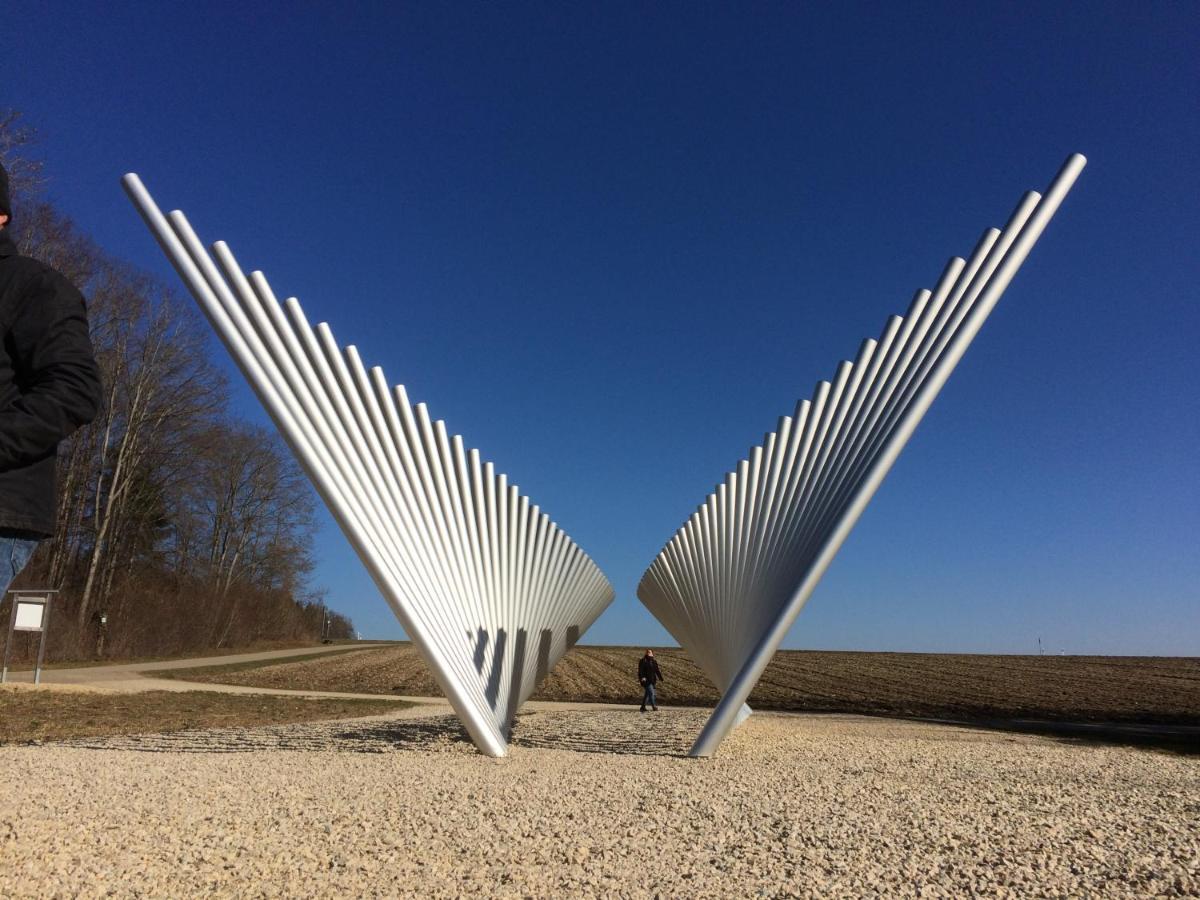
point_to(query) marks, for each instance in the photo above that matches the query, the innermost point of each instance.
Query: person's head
(650, 653)
(5, 202)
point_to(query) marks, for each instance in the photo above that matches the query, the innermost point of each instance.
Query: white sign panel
(29, 616)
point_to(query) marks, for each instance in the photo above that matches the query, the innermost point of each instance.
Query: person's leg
(646, 689)
(653, 697)
(15, 551)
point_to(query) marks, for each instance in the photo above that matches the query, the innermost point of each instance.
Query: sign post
(30, 612)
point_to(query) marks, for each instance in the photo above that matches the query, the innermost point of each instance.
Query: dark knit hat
(5, 202)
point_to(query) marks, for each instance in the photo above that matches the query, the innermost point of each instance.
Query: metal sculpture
(490, 590)
(732, 580)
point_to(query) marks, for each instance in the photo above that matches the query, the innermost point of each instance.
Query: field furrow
(1082, 688)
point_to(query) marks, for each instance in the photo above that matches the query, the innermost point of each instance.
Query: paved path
(134, 678)
(131, 677)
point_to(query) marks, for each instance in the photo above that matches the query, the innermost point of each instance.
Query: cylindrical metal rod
(725, 714)
(470, 567)
(481, 731)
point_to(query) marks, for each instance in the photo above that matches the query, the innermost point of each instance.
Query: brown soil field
(1160, 690)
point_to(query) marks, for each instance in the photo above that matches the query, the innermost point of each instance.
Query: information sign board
(31, 613)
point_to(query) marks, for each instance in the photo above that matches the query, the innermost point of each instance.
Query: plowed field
(1076, 688)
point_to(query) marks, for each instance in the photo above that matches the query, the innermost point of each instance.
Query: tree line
(180, 526)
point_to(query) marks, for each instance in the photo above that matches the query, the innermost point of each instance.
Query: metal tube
(481, 731)
(37, 669)
(725, 714)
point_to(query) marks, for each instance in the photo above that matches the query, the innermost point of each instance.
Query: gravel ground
(597, 803)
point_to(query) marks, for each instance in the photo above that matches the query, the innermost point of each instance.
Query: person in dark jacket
(649, 674)
(49, 386)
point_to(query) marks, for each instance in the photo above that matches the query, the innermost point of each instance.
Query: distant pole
(1041, 652)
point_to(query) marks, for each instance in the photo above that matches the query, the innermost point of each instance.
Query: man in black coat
(649, 674)
(49, 386)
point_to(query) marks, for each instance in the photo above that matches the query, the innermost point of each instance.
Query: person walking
(649, 674)
(49, 386)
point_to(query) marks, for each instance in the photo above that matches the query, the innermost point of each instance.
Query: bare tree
(160, 392)
(259, 516)
(165, 503)
(17, 140)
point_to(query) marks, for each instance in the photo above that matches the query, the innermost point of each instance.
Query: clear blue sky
(611, 243)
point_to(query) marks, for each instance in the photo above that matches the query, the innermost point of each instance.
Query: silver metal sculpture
(490, 590)
(732, 580)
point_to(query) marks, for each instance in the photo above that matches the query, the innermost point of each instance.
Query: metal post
(12, 618)
(37, 669)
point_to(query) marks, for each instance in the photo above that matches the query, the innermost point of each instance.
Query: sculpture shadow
(1183, 740)
(494, 683)
(605, 730)
(433, 733)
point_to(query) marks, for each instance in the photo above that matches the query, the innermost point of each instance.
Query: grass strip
(50, 715)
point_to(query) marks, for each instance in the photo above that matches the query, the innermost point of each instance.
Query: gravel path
(597, 802)
(139, 676)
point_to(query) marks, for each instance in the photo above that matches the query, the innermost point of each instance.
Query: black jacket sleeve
(60, 383)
